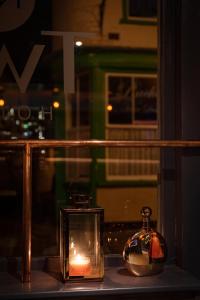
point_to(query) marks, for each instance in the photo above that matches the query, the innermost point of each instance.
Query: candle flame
(80, 260)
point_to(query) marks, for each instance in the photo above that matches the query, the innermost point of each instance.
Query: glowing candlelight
(79, 266)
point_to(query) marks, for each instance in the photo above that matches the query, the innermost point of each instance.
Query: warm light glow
(56, 90)
(56, 104)
(79, 43)
(2, 102)
(79, 260)
(109, 107)
(79, 265)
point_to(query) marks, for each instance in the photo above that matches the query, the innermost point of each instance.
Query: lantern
(81, 243)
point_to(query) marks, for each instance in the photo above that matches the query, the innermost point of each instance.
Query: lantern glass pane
(84, 245)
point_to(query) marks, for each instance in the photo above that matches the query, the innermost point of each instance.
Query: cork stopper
(146, 211)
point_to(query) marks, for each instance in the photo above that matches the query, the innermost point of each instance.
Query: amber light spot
(109, 107)
(56, 90)
(156, 249)
(2, 102)
(56, 104)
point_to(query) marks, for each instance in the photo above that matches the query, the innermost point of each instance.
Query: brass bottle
(145, 252)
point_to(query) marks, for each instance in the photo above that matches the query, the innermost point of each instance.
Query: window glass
(120, 100)
(131, 98)
(142, 8)
(145, 99)
(81, 102)
(11, 198)
(70, 70)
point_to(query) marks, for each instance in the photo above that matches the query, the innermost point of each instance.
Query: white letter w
(29, 68)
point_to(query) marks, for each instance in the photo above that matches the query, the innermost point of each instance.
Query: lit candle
(79, 266)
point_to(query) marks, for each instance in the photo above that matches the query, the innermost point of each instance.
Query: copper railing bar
(27, 212)
(13, 143)
(102, 143)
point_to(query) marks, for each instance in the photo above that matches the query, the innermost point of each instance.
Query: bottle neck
(146, 223)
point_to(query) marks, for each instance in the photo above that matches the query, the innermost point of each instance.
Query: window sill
(138, 21)
(172, 282)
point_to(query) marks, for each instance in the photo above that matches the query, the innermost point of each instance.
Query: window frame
(126, 19)
(140, 180)
(135, 123)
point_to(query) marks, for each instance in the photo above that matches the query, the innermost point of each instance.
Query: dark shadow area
(124, 272)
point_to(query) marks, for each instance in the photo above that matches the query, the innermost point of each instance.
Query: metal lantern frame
(65, 214)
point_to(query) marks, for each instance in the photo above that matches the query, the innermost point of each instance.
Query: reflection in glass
(114, 99)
